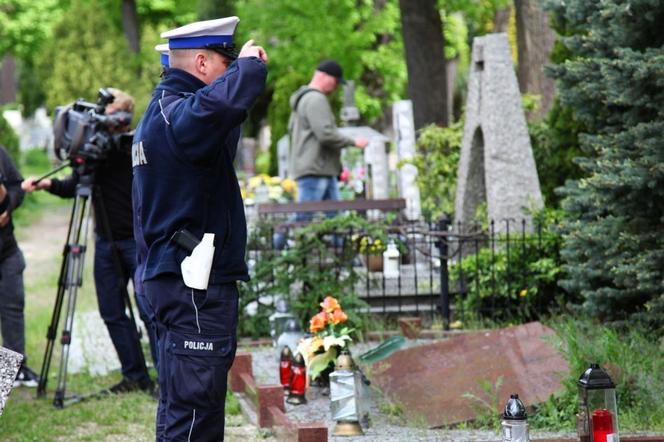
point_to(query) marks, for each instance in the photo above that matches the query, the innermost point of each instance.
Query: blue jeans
(109, 283)
(310, 188)
(197, 341)
(316, 188)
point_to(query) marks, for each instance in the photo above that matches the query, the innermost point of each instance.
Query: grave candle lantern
(346, 397)
(597, 419)
(285, 368)
(298, 381)
(515, 421)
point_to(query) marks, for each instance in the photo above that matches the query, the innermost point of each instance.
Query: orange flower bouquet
(330, 336)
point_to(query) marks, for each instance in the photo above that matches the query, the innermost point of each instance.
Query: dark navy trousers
(197, 342)
(112, 306)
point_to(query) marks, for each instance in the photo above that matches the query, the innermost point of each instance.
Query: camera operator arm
(66, 187)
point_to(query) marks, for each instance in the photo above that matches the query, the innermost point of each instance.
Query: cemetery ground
(634, 359)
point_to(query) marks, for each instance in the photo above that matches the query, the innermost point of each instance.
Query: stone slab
(429, 381)
(241, 365)
(10, 361)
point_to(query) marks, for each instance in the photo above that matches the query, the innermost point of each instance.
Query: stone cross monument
(497, 164)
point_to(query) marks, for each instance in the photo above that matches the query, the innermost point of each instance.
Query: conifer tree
(614, 243)
(85, 54)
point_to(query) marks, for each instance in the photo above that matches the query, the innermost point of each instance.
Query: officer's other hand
(361, 142)
(251, 50)
(29, 185)
(4, 218)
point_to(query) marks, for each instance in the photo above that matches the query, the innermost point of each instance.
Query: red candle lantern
(285, 368)
(298, 381)
(597, 419)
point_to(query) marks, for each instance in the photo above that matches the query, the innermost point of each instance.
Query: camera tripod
(69, 281)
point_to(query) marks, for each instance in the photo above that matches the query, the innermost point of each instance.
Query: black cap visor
(227, 50)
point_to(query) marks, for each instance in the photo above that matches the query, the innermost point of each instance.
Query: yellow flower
(254, 182)
(288, 185)
(316, 344)
(523, 293)
(456, 325)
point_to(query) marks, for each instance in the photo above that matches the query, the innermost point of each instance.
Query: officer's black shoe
(128, 385)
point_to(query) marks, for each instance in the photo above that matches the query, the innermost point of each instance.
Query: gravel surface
(383, 426)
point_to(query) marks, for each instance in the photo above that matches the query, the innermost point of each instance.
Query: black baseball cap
(332, 68)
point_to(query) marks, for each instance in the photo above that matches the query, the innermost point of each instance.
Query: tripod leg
(57, 309)
(74, 279)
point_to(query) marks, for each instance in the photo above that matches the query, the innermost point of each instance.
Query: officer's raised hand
(251, 50)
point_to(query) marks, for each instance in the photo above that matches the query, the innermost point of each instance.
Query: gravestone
(404, 128)
(375, 158)
(497, 164)
(349, 112)
(283, 147)
(441, 383)
(10, 361)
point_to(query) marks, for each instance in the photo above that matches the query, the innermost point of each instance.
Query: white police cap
(163, 51)
(203, 34)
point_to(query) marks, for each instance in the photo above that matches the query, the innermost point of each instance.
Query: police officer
(184, 182)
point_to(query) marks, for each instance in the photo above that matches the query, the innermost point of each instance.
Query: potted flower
(330, 335)
(371, 251)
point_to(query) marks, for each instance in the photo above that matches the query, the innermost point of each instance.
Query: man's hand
(4, 218)
(249, 50)
(28, 185)
(361, 142)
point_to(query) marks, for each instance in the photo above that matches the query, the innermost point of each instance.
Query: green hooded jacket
(315, 141)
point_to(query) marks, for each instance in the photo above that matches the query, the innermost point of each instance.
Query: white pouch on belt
(197, 266)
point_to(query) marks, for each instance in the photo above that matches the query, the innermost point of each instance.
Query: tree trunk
(130, 25)
(7, 80)
(422, 31)
(535, 41)
(501, 19)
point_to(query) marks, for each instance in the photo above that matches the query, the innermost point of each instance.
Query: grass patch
(634, 362)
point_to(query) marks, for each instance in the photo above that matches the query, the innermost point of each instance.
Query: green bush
(511, 285)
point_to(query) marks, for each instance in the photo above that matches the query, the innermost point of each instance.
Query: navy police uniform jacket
(182, 157)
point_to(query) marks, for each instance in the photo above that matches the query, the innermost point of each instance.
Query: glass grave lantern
(597, 418)
(348, 398)
(279, 318)
(285, 368)
(290, 336)
(515, 421)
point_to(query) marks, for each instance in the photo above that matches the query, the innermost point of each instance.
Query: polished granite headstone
(10, 361)
(432, 382)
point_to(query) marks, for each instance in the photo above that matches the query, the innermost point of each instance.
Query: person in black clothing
(12, 264)
(112, 196)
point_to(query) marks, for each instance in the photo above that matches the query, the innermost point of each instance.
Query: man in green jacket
(316, 143)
